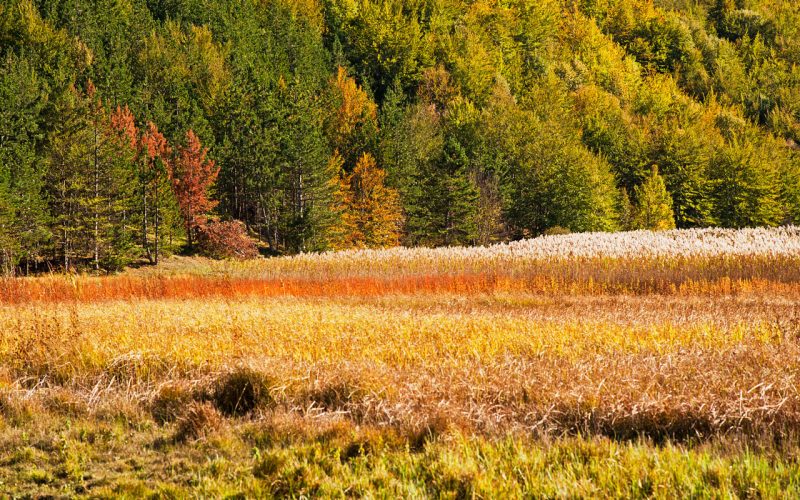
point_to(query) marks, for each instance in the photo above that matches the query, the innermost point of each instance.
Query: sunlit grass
(491, 369)
(437, 373)
(286, 458)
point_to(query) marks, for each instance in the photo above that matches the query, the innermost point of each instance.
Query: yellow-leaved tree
(654, 204)
(354, 118)
(372, 217)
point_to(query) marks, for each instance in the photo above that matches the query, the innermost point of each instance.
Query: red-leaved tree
(124, 124)
(192, 176)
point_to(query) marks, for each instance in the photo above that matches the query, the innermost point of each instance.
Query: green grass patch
(294, 457)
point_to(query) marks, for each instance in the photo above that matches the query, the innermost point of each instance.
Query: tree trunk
(145, 245)
(157, 215)
(96, 205)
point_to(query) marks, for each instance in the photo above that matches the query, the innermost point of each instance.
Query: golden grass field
(590, 376)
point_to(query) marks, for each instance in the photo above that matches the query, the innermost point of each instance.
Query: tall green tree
(70, 181)
(24, 216)
(683, 161)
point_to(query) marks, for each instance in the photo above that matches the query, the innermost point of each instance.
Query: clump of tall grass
(197, 420)
(241, 391)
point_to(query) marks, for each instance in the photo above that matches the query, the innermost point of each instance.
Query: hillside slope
(368, 123)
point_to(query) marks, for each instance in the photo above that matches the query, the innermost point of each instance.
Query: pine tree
(112, 183)
(24, 212)
(653, 204)
(461, 213)
(121, 181)
(8, 244)
(69, 180)
(154, 184)
(90, 184)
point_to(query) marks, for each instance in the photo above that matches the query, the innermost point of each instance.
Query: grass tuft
(241, 391)
(170, 401)
(197, 421)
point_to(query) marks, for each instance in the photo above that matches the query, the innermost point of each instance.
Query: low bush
(226, 239)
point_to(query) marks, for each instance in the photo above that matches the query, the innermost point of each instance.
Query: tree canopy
(323, 124)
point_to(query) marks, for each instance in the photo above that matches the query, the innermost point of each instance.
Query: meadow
(598, 365)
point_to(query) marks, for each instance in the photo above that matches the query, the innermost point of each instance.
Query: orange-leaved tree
(124, 124)
(152, 157)
(192, 176)
(340, 231)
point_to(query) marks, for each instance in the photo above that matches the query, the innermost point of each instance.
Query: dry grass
(684, 277)
(689, 350)
(652, 366)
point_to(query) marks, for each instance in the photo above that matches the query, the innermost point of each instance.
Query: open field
(414, 373)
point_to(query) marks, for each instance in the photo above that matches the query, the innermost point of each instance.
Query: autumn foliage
(226, 239)
(494, 121)
(353, 109)
(188, 176)
(368, 211)
(373, 215)
(192, 176)
(124, 124)
(154, 144)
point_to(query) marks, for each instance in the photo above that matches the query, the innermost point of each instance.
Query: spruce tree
(24, 227)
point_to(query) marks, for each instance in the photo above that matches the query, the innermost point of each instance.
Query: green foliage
(23, 215)
(492, 120)
(548, 177)
(284, 457)
(653, 204)
(683, 160)
(384, 40)
(746, 192)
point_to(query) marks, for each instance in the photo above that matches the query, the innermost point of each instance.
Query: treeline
(131, 128)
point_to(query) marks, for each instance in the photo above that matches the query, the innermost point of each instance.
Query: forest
(133, 129)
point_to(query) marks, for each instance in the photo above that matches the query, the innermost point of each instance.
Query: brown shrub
(226, 239)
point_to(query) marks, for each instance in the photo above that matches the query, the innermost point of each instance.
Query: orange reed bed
(92, 289)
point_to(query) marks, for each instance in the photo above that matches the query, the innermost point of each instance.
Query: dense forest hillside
(129, 128)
